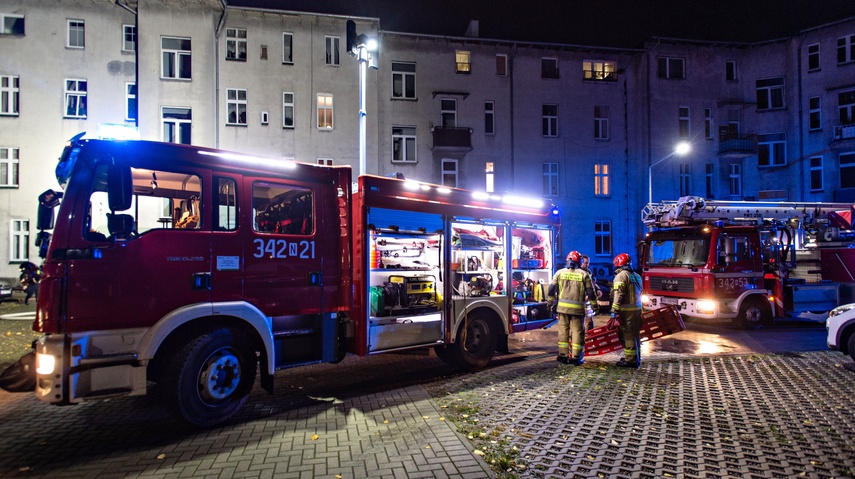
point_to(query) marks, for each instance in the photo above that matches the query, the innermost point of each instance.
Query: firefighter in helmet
(626, 308)
(568, 290)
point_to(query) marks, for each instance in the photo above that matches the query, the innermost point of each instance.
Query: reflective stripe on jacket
(627, 292)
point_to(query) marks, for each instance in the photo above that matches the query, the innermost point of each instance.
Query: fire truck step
(293, 332)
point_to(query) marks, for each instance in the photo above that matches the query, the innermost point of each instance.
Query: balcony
(452, 139)
(844, 137)
(732, 144)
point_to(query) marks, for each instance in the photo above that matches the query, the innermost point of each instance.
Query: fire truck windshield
(678, 250)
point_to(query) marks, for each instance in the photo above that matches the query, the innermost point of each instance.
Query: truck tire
(210, 378)
(445, 353)
(754, 313)
(476, 343)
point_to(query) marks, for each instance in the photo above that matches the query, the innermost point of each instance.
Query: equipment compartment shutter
(404, 220)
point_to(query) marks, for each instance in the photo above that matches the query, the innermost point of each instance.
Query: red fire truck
(747, 261)
(193, 268)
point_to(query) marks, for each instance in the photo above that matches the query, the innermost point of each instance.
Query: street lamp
(365, 49)
(680, 149)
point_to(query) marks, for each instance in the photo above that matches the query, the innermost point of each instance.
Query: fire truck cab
(196, 268)
(748, 262)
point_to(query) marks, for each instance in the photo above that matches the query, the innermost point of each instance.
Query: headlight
(45, 363)
(706, 306)
(841, 309)
(645, 299)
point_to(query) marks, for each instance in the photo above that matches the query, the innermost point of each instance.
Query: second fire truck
(198, 269)
(747, 261)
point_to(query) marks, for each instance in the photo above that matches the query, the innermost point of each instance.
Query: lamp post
(680, 149)
(364, 48)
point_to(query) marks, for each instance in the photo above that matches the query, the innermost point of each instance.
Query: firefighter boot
(563, 359)
(579, 360)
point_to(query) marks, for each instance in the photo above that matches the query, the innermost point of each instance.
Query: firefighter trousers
(571, 335)
(629, 333)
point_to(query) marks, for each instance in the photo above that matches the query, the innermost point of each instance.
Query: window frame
(10, 162)
(75, 33)
(463, 62)
(813, 57)
(666, 64)
(549, 68)
(731, 72)
(709, 174)
(448, 173)
(233, 37)
(328, 109)
(549, 125)
(603, 242)
(19, 239)
(773, 91)
(709, 132)
(777, 150)
(81, 97)
(850, 164)
(735, 177)
(332, 50)
(502, 64)
(404, 139)
(233, 99)
(125, 42)
(11, 30)
(489, 117)
(814, 113)
(10, 95)
(178, 59)
(846, 49)
(447, 117)
(180, 126)
(287, 48)
(685, 179)
(131, 101)
(286, 105)
(816, 174)
(846, 107)
(601, 123)
(551, 184)
(684, 122)
(406, 81)
(599, 71)
(602, 180)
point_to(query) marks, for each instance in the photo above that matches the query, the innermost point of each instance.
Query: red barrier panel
(654, 325)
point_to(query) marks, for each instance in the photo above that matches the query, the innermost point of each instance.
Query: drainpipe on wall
(513, 150)
(801, 195)
(217, 34)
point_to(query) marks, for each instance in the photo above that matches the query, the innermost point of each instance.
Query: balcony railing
(844, 132)
(734, 144)
(453, 138)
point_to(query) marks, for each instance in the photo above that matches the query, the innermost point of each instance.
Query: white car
(841, 329)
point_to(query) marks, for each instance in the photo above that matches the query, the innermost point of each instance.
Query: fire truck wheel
(210, 378)
(476, 343)
(446, 354)
(754, 313)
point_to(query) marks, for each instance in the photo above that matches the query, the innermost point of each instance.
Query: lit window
(325, 111)
(602, 184)
(462, 61)
(599, 70)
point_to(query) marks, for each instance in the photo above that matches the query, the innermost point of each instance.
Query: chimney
(472, 29)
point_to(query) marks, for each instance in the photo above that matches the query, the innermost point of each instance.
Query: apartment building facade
(581, 126)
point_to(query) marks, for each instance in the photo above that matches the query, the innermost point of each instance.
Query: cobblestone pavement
(702, 405)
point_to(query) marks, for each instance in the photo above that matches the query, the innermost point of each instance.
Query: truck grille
(672, 285)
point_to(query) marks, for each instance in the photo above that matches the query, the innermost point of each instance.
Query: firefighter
(585, 265)
(567, 292)
(626, 308)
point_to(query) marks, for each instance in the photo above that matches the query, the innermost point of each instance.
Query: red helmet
(574, 256)
(622, 259)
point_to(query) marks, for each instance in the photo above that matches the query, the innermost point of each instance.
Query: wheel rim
(219, 377)
(476, 337)
(753, 315)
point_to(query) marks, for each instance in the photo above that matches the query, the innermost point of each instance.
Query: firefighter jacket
(570, 286)
(627, 292)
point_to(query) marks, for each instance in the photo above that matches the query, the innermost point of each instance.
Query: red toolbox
(654, 325)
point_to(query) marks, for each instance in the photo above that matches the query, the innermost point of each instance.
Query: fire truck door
(227, 252)
(284, 247)
(153, 256)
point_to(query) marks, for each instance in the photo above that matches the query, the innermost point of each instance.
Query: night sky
(618, 23)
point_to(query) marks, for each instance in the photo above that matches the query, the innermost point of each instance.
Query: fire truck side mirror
(44, 220)
(119, 187)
